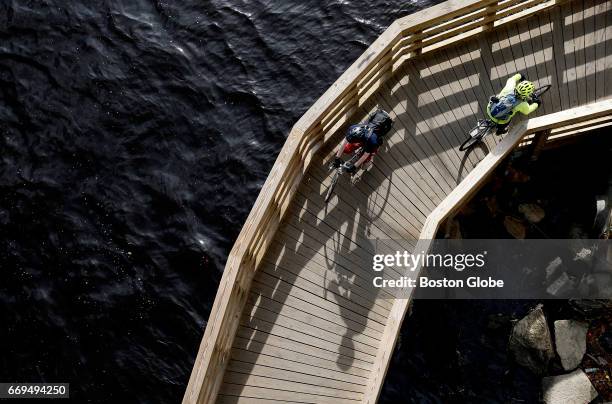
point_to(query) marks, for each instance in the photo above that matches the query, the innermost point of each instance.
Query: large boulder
(553, 267)
(570, 339)
(515, 227)
(571, 388)
(532, 212)
(562, 286)
(531, 343)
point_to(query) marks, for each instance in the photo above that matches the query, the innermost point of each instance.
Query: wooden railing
(585, 116)
(408, 37)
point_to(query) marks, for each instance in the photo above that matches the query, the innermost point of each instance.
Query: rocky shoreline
(566, 343)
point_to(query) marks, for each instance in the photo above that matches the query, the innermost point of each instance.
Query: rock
(595, 286)
(552, 267)
(571, 388)
(585, 255)
(591, 309)
(561, 287)
(532, 212)
(530, 342)
(515, 227)
(570, 339)
(603, 218)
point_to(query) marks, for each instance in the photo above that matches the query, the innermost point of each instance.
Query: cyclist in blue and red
(369, 135)
(357, 136)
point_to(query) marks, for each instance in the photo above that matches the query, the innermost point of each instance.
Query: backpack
(502, 109)
(380, 122)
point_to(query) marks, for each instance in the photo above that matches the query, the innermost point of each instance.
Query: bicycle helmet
(357, 132)
(524, 89)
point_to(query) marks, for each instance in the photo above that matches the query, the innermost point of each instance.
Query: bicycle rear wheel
(471, 141)
(332, 185)
(541, 90)
(476, 134)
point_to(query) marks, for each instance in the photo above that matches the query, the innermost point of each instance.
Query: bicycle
(485, 126)
(341, 170)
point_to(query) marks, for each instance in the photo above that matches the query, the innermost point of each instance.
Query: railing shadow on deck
(341, 261)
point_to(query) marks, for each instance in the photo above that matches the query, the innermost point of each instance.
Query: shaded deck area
(313, 325)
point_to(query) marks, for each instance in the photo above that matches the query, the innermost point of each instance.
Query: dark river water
(134, 137)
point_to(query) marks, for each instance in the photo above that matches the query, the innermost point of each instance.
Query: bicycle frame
(340, 170)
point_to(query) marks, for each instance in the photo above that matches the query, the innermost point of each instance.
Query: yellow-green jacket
(524, 107)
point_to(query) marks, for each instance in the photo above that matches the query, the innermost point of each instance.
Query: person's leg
(502, 128)
(341, 148)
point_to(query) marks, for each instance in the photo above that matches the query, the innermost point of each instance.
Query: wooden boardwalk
(312, 329)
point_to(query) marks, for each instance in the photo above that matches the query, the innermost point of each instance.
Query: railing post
(538, 142)
(418, 43)
(491, 10)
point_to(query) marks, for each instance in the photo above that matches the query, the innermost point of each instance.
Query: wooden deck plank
(445, 86)
(277, 394)
(504, 58)
(348, 255)
(383, 193)
(275, 324)
(436, 114)
(577, 22)
(590, 50)
(335, 315)
(327, 291)
(600, 47)
(360, 222)
(268, 307)
(414, 140)
(559, 57)
(272, 345)
(535, 67)
(341, 280)
(287, 385)
(287, 370)
(358, 313)
(223, 399)
(571, 79)
(473, 53)
(368, 210)
(283, 330)
(302, 300)
(608, 59)
(318, 263)
(405, 161)
(346, 236)
(541, 39)
(349, 382)
(424, 144)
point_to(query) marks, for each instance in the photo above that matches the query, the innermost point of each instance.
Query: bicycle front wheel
(332, 185)
(538, 92)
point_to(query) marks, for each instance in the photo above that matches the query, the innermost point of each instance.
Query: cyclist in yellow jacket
(514, 97)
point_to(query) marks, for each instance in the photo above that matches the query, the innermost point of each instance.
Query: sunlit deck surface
(312, 325)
